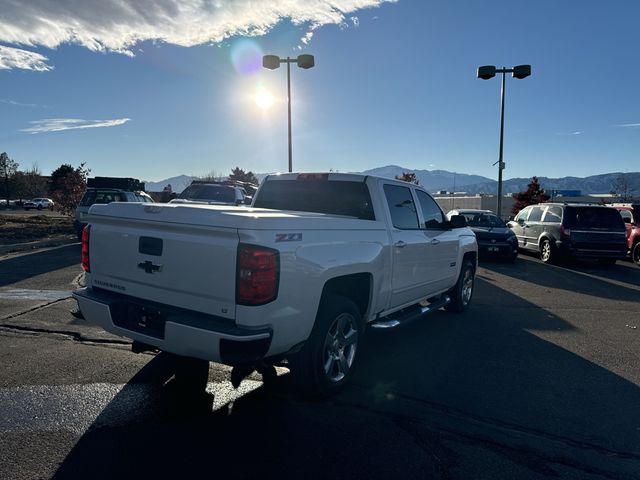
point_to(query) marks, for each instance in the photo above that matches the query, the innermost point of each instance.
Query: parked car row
(558, 231)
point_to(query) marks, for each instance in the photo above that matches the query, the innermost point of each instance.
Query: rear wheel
(326, 362)
(548, 252)
(463, 291)
(635, 254)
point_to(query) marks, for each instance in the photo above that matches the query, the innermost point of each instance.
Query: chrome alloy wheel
(340, 347)
(467, 286)
(545, 251)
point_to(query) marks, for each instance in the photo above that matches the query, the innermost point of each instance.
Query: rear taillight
(85, 248)
(565, 233)
(257, 275)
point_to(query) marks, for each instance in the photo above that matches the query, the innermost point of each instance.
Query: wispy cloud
(59, 124)
(20, 104)
(629, 125)
(118, 25)
(12, 58)
(577, 132)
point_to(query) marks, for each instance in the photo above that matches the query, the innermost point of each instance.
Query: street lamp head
(486, 72)
(271, 62)
(306, 61)
(521, 71)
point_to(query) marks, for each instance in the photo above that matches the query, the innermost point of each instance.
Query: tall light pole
(272, 62)
(489, 71)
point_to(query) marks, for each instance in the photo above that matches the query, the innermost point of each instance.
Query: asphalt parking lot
(539, 379)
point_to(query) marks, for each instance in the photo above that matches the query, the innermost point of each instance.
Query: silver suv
(562, 230)
(213, 194)
(104, 195)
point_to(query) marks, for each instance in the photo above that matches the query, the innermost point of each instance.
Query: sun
(263, 98)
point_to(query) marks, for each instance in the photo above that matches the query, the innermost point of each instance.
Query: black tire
(548, 252)
(635, 254)
(39, 207)
(462, 292)
(191, 374)
(327, 360)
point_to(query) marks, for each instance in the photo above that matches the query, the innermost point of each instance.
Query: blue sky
(135, 91)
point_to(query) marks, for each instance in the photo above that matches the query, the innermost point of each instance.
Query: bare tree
(621, 188)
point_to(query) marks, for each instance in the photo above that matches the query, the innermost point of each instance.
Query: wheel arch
(356, 287)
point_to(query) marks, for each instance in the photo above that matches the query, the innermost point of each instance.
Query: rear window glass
(101, 196)
(593, 218)
(350, 199)
(210, 193)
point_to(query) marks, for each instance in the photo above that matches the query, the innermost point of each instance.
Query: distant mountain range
(436, 180)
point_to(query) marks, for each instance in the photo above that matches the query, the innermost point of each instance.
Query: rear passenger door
(408, 247)
(442, 244)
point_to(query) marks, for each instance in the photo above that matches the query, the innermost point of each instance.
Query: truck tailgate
(173, 256)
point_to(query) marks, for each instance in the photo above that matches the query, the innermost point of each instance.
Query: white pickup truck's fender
(305, 271)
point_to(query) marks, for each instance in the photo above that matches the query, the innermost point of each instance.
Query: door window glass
(433, 217)
(626, 214)
(402, 208)
(536, 214)
(522, 216)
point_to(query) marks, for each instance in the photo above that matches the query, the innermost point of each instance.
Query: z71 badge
(288, 237)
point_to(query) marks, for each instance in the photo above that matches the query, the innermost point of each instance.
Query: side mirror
(458, 221)
(248, 200)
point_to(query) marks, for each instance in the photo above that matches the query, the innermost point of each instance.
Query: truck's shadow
(487, 363)
(23, 267)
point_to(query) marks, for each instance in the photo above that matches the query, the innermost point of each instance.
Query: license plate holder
(141, 319)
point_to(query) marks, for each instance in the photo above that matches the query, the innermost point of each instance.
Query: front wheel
(326, 362)
(635, 254)
(463, 291)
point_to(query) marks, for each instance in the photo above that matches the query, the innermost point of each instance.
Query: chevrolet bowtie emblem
(150, 267)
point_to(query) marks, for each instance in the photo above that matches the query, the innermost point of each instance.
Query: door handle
(400, 244)
(435, 241)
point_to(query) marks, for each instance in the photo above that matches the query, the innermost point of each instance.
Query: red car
(631, 216)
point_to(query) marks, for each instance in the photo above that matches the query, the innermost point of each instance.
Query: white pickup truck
(297, 276)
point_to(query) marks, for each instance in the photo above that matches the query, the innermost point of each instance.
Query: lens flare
(264, 99)
(246, 57)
